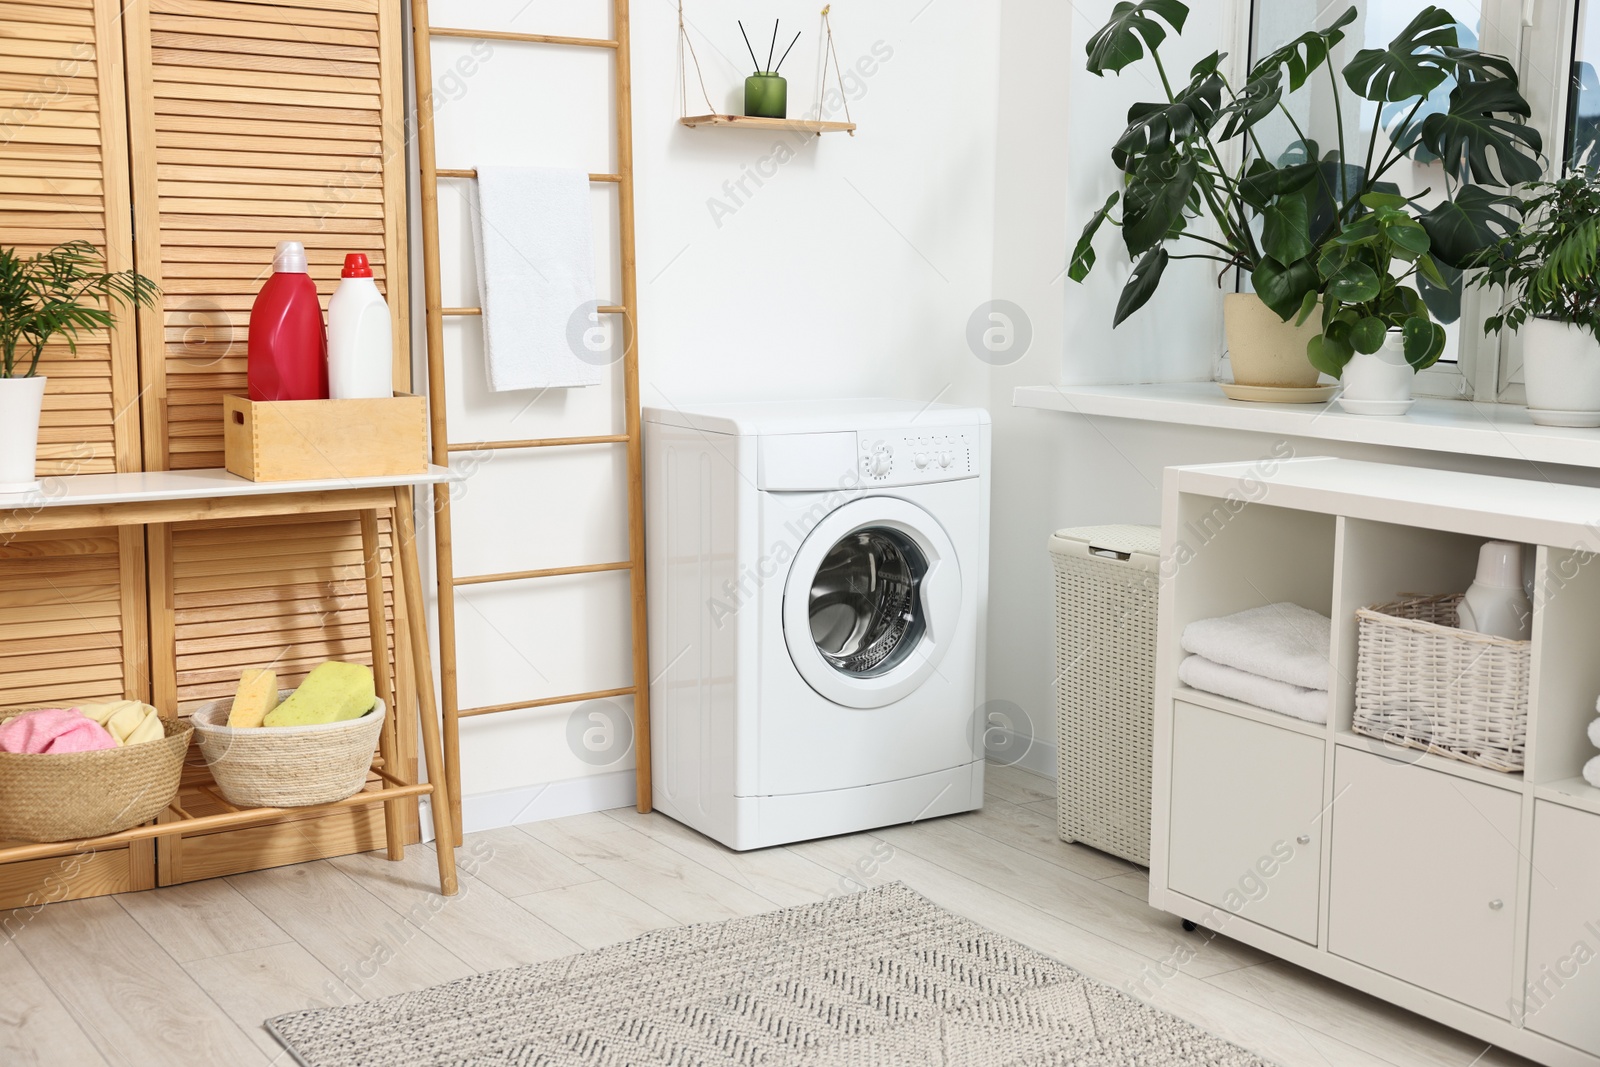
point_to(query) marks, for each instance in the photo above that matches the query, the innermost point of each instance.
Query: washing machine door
(871, 602)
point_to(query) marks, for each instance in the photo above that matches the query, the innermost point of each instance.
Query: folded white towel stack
(1284, 642)
(535, 253)
(1591, 770)
(1197, 672)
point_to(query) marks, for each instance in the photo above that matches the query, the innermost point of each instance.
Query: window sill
(1501, 431)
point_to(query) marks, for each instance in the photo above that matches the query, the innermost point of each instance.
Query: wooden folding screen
(243, 124)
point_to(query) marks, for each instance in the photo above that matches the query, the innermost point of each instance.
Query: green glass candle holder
(766, 96)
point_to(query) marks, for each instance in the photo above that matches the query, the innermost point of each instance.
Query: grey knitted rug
(881, 977)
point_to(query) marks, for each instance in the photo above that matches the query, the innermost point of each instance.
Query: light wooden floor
(185, 975)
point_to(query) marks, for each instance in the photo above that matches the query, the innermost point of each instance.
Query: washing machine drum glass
(866, 606)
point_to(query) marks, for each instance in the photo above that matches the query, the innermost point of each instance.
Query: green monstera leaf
(1141, 284)
(1154, 127)
(1132, 29)
(1152, 208)
(1460, 230)
(1083, 254)
(1284, 288)
(1285, 231)
(1413, 64)
(1301, 57)
(1485, 117)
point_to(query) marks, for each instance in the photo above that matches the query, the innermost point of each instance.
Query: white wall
(844, 266)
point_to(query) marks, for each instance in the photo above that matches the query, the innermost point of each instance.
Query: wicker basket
(1423, 683)
(68, 795)
(287, 766)
(1106, 585)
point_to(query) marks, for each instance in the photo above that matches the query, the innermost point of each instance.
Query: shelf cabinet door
(1245, 836)
(1564, 928)
(1424, 877)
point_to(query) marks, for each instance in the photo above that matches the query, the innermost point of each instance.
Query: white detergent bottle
(360, 336)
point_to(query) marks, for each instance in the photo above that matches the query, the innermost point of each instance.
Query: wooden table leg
(378, 624)
(409, 577)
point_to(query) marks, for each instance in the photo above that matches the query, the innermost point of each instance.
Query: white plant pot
(21, 399)
(1561, 365)
(1378, 383)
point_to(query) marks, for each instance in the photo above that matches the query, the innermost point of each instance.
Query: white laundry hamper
(1107, 586)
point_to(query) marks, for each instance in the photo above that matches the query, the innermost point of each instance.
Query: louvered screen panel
(257, 123)
(265, 122)
(71, 605)
(64, 177)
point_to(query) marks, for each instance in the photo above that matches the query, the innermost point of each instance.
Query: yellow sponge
(257, 695)
(333, 692)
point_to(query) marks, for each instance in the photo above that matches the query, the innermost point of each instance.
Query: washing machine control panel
(901, 457)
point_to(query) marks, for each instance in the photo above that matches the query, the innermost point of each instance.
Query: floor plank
(373, 951)
(775, 874)
(678, 886)
(1083, 901)
(515, 864)
(125, 992)
(1358, 1019)
(1018, 786)
(36, 1030)
(595, 914)
(254, 985)
(483, 928)
(1035, 832)
(200, 919)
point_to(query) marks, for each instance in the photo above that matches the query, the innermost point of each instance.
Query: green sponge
(332, 692)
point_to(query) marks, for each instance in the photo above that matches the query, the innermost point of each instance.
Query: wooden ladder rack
(423, 33)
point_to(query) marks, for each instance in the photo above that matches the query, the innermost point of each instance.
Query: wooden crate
(281, 440)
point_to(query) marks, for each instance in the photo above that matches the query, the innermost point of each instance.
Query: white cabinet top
(1509, 509)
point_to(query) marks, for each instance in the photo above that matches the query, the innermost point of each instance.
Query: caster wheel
(1189, 927)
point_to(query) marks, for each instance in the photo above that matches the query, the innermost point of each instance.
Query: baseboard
(1036, 756)
(553, 800)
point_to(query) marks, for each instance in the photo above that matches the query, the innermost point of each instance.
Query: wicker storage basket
(1423, 683)
(1106, 586)
(287, 766)
(62, 797)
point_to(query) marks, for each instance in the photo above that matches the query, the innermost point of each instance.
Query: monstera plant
(1197, 183)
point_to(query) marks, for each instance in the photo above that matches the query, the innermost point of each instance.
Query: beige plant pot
(1265, 350)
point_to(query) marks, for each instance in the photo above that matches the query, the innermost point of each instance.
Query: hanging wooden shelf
(752, 122)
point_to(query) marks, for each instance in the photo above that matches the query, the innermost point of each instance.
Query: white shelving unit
(1458, 892)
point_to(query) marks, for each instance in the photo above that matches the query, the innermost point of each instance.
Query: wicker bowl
(68, 795)
(287, 766)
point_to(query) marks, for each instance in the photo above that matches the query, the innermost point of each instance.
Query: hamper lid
(1125, 537)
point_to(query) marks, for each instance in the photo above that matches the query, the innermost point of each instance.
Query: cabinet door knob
(1496, 905)
(1304, 839)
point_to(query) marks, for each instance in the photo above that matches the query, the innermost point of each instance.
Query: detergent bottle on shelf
(360, 336)
(288, 348)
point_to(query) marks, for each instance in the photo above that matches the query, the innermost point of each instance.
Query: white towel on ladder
(535, 252)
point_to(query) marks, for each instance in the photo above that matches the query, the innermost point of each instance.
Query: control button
(945, 459)
(921, 460)
(881, 461)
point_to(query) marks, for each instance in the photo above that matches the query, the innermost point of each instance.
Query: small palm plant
(1549, 267)
(60, 292)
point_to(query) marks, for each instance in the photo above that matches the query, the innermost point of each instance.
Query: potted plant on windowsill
(1549, 269)
(55, 294)
(1376, 330)
(1271, 218)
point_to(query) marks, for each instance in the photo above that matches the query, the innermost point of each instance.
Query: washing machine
(818, 580)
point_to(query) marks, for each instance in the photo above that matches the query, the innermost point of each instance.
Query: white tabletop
(212, 483)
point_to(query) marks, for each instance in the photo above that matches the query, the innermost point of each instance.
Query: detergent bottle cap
(290, 258)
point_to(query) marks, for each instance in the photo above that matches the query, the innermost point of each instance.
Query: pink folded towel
(54, 730)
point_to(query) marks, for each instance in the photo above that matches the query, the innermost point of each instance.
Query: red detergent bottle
(288, 346)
